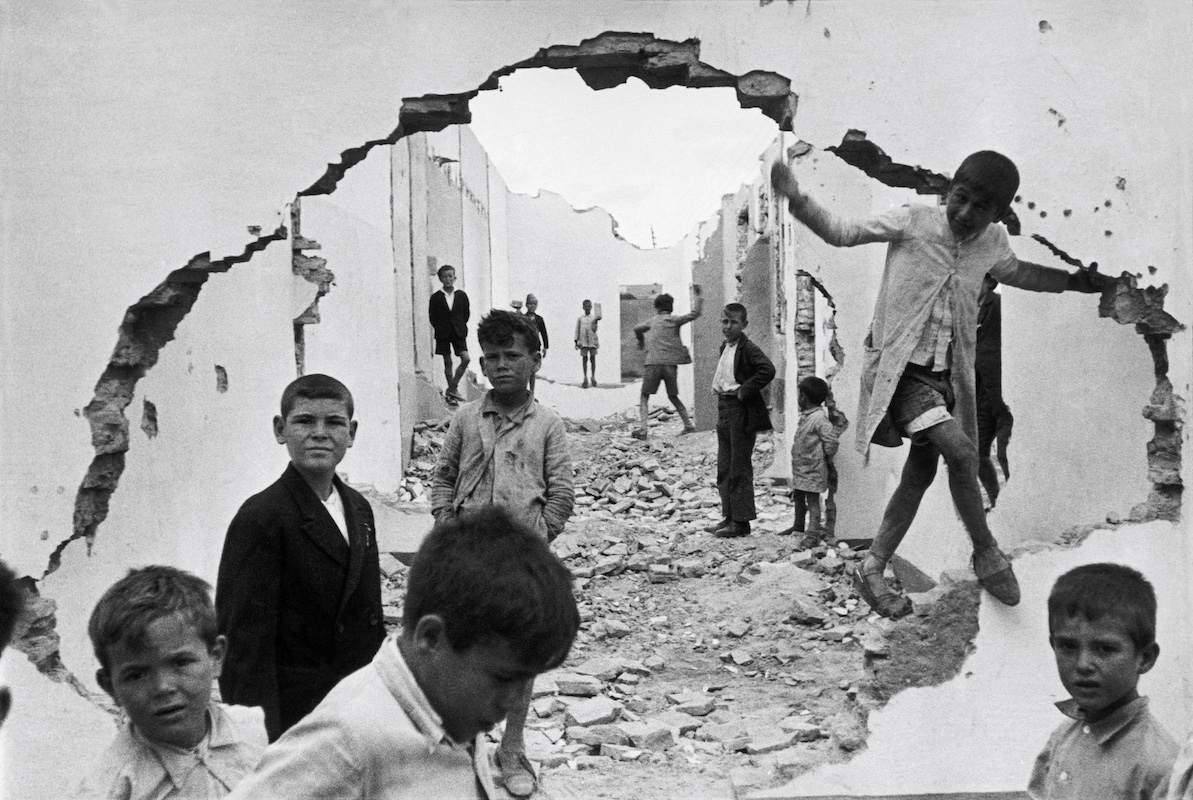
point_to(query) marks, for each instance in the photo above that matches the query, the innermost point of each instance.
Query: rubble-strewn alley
(704, 666)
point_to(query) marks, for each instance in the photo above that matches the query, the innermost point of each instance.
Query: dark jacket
(449, 323)
(753, 371)
(301, 609)
(538, 322)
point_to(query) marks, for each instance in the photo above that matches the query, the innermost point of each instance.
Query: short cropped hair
(739, 310)
(12, 603)
(489, 576)
(444, 269)
(499, 327)
(992, 174)
(315, 387)
(815, 389)
(1094, 591)
(664, 302)
(143, 596)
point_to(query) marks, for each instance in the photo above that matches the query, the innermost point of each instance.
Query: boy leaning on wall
(918, 373)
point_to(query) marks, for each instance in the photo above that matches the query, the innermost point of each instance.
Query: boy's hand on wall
(782, 178)
(1088, 281)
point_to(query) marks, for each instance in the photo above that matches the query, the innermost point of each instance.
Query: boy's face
(1098, 662)
(969, 210)
(732, 326)
(587, 306)
(471, 690)
(509, 366)
(532, 303)
(317, 432)
(165, 684)
(448, 278)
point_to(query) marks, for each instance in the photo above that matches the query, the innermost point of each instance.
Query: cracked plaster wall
(123, 164)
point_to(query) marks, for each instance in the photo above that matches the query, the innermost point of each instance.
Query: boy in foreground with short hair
(299, 586)
(664, 352)
(487, 608)
(920, 350)
(742, 372)
(812, 452)
(1102, 628)
(154, 634)
(587, 341)
(449, 311)
(508, 450)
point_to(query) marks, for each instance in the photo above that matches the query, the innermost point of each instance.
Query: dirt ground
(725, 664)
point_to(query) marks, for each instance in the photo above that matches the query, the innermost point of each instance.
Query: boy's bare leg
(800, 501)
(961, 457)
(592, 365)
(682, 410)
(644, 414)
(513, 746)
(465, 359)
(447, 371)
(918, 473)
(830, 513)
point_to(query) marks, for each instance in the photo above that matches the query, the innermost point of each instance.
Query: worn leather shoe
(732, 530)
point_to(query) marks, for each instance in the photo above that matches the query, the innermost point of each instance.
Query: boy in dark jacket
(299, 588)
(742, 372)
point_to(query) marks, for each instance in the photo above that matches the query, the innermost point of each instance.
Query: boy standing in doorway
(449, 313)
(586, 341)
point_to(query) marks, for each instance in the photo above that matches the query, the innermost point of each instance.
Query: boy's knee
(465, 359)
(674, 400)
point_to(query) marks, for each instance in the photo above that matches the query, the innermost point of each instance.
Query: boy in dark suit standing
(743, 371)
(299, 587)
(449, 313)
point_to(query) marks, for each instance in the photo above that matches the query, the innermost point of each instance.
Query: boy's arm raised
(835, 230)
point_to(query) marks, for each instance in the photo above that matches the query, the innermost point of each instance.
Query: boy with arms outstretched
(510, 451)
(155, 637)
(1102, 628)
(918, 373)
(664, 352)
(487, 608)
(299, 586)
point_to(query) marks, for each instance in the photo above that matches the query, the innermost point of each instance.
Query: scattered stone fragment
(544, 685)
(648, 734)
(743, 779)
(596, 711)
(546, 706)
(847, 730)
(655, 663)
(616, 628)
(621, 753)
(590, 762)
(601, 667)
(697, 707)
(803, 730)
(577, 685)
(738, 628)
(769, 741)
(598, 735)
(682, 723)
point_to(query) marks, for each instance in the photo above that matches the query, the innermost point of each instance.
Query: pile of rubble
(749, 658)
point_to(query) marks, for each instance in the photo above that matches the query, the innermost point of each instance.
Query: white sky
(660, 158)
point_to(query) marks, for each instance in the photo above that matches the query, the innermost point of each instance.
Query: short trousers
(654, 373)
(588, 351)
(916, 406)
(444, 347)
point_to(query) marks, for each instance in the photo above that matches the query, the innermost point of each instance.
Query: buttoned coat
(752, 371)
(449, 323)
(301, 609)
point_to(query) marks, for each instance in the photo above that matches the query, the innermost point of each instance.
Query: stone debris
(638, 549)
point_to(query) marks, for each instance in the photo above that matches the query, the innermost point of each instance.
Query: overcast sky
(651, 158)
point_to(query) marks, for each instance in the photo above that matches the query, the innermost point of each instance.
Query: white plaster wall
(356, 338)
(137, 135)
(981, 730)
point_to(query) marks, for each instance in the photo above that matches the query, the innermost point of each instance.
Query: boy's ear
(279, 425)
(430, 633)
(351, 432)
(217, 652)
(1148, 656)
(105, 681)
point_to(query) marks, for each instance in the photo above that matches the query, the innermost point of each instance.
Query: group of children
(321, 704)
